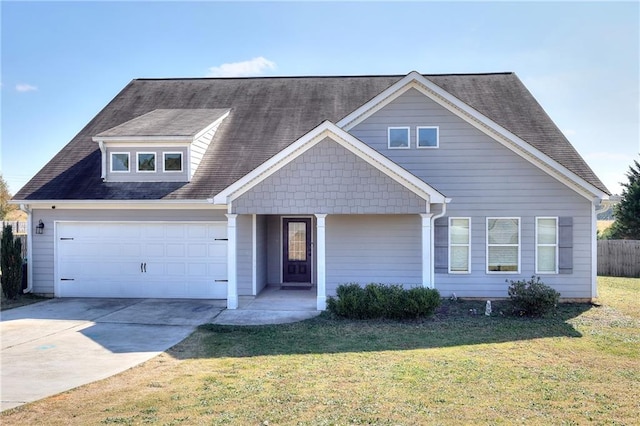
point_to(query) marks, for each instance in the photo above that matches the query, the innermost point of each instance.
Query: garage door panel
(162, 260)
(153, 250)
(175, 250)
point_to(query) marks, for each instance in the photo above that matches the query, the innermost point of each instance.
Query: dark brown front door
(296, 258)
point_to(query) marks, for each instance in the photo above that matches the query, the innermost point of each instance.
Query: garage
(141, 259)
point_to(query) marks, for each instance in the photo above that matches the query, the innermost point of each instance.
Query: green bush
(532, 297)
(10, 263)
(383, 301)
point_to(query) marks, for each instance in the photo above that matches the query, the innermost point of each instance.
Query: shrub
(383, 301)
(532, 297)
(10, 263)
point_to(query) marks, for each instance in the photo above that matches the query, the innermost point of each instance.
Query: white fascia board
(133, 139)
(215, 123)
(354, 145)
(118, 204)
(414, 80)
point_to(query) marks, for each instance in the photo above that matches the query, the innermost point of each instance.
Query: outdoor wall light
(40, 227)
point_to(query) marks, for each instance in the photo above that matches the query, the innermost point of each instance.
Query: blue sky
(62, 62)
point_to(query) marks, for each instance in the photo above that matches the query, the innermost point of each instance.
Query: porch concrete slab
(262, 317)
(56, 345)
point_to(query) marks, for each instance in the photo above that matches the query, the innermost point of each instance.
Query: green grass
(580, 366)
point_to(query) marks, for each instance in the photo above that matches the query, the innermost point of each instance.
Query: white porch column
(426, 250)
(232, 282)
(321, 303)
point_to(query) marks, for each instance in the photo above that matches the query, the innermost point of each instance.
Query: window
(459, 245)
(119, 161)
(546, 245)
(146, 162)
(172, 161)
(427, 137)
(398, 137)
(503, 244)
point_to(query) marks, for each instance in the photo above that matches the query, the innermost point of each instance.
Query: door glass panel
(297, 241)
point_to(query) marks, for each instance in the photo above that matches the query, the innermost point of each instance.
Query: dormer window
(119, 162)
(163, 145)
(172, 161)
(146, 162)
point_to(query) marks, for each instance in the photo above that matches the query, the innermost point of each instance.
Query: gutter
(433, 243)
(27, 209)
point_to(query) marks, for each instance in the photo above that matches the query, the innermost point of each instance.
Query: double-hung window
(459, 245)
(546, 245)
(503, 244)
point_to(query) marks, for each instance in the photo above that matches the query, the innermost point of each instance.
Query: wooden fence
(619, 258)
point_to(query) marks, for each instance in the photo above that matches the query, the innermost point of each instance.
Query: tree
(10, 263)
(5, 196)
(627, 212)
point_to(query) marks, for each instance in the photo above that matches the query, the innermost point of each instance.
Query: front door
(296, 257)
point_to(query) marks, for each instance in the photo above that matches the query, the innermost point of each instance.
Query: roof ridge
(318, 76)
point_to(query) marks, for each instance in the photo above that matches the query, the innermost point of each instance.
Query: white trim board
(346, 140)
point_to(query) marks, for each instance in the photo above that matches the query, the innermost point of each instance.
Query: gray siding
(43, 245)
(484, 179)
(274, 250)
(158, 176)
(328, 179)
(373, 248)
(261, 253)
(244, 250)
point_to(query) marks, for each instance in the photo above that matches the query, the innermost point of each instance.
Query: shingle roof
(267, 114)
(166, 122)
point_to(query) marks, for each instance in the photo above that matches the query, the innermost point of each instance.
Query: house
(218, 187)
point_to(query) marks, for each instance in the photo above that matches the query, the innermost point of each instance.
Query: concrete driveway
(59, 344)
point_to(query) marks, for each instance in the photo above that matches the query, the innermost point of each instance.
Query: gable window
(146, 161)
(459, 245)
(546, 245)
(503, 244)
(427, 137)
(172, 161)
(398, 137)
(119, 161)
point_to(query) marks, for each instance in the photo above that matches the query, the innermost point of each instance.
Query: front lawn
(580, 367)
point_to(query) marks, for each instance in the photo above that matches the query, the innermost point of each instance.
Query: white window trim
(437, 145)
(547, 245)
(407, 128)
(519, 245)
(164, 170)
(155, 162)
(111, 154)
(468, 245)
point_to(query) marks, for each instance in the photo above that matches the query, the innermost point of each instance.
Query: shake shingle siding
(267, 115)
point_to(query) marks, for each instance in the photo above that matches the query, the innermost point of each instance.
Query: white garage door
(158, 260)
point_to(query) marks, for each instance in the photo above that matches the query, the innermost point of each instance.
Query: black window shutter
(441, 245)
(565, 245)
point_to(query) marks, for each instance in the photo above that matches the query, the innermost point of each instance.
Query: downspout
(25, 208)
(103, 173)
(433, 243)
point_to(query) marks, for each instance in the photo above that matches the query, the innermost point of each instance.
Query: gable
(347, 141)
(537, 140)
(328, 178)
